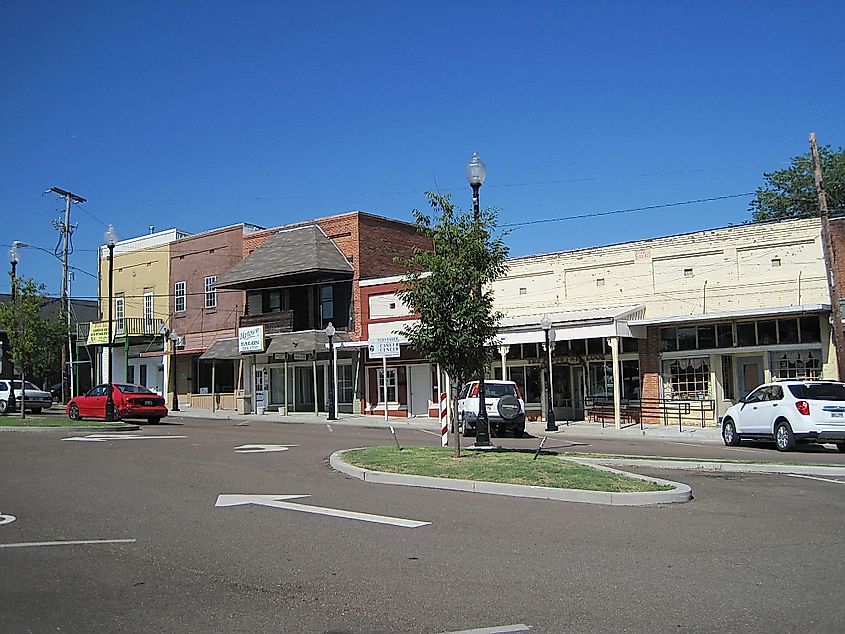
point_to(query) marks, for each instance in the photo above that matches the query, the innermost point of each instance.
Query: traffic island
(507, 473)
(14, 422)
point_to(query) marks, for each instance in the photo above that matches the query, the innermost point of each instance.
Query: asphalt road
(750, 553)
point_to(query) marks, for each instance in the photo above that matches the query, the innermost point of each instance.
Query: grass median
(507, 467)
(49, 421)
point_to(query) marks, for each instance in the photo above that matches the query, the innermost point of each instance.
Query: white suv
(505, 407)
(789, 412)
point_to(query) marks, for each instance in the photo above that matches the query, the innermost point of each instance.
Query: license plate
(148, 402)
(836, 414)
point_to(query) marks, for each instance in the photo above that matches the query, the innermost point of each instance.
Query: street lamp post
(174, 338)
(546, 324)
(111, 239)
(11, 403)
(330, 332)
(476, 171)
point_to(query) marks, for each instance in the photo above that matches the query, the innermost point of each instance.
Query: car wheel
(73, 413)
(35, 410)
(155, 420)
(841, 446)
(729, 434)
(3, 406)
(784, 438)
(519, 430)
(465, 430)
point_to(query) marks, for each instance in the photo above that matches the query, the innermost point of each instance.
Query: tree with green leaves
(791, 192)
(456, 326)
(36, 341)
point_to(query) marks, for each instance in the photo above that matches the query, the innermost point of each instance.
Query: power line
(597, 214)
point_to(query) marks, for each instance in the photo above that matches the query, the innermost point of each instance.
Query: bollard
(392, 431)
(540, 448)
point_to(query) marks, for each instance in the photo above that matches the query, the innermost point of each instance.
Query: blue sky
(204, 114)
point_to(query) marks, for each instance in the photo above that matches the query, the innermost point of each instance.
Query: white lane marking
(7, 519)
(276, 501)
(107, 437)
(501, 629)
(687, 444)
(262, 448)
(741, 449)
(78, 542)
(428, 431)
(799, 475)
(330, 427)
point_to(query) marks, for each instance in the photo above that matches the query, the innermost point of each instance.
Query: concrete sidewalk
(538, 429)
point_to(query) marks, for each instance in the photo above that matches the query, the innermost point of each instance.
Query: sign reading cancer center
(251, 339)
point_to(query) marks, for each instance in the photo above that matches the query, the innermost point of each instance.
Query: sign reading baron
(251, 339)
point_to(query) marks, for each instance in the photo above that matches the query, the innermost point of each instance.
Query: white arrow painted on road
(262, 448)
(277, 502)
(107, 437)
(7, 519)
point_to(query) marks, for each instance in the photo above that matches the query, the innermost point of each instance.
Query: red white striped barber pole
(444, 420)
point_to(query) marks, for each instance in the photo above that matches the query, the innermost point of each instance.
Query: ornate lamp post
(111, 239)
(11, 403)
(174, 338)
(330, 333)
(476, 171)
(546, 324)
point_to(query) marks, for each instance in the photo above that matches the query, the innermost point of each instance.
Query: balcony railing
(128, 326)
(280, 321)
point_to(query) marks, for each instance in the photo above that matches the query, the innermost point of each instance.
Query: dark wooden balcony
(279, 321)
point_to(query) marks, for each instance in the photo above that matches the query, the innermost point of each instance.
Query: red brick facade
(649, 351)
(837, 237)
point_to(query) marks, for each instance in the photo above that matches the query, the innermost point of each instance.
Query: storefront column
(286, 386)
(314, 373)
(213, 385)
(617, 409)
(503, 351)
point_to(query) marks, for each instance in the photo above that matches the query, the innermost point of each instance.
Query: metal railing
(661, 410)
(126, 327)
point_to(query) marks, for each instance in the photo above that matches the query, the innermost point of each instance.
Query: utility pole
(829, 261)
(66, 230)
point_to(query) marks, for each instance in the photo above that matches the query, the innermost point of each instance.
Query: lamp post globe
(330, 333)
(546, 325)
(110, 237)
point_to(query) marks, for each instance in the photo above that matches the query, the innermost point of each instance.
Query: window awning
(303, 342)
(586, 323)
(222, 349)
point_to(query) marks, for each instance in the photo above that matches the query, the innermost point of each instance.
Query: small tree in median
(36, 341)
(456, 325)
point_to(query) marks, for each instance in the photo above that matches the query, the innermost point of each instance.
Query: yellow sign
(98, 333)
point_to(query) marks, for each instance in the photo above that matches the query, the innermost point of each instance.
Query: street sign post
(382, 348)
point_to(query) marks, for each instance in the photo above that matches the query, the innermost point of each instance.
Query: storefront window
(686, 379)
(686, 338)
(788, 330)
(725, 335)
(601, 380)
(532, 383)
(766, 333)
(631, 380)
(668, 340)
(810, 330)
(801, 364)
(706, 337)
(562, 386)
(746, 334)
(344, 383)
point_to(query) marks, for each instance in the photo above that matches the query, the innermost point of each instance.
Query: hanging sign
(251, 339)
(98, 333)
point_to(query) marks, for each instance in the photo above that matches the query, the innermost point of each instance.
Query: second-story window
(148, 312)
(210, 291)
(119, 313)
(326, 304)
(179, 297)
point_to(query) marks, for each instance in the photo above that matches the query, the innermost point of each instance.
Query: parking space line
(799, 475)
(500, 629)
(78, 542)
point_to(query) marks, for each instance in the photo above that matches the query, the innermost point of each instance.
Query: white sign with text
(251, 339)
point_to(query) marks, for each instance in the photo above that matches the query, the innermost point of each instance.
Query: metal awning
(303, 342)
(222, 349)
(585, 323)
(783, 311)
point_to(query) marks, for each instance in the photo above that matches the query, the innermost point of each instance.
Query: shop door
(749, 374)
(277, 386)
(303, 384)
(420, 390)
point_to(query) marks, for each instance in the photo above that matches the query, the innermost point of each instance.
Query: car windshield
(133, 389)
(29, 386)
(819, 391)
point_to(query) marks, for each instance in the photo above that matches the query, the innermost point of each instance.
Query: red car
(130, 401)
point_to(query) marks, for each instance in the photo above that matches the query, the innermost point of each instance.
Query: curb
(687, 435)
(78, 429)
(728, 467)
(679, 493)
